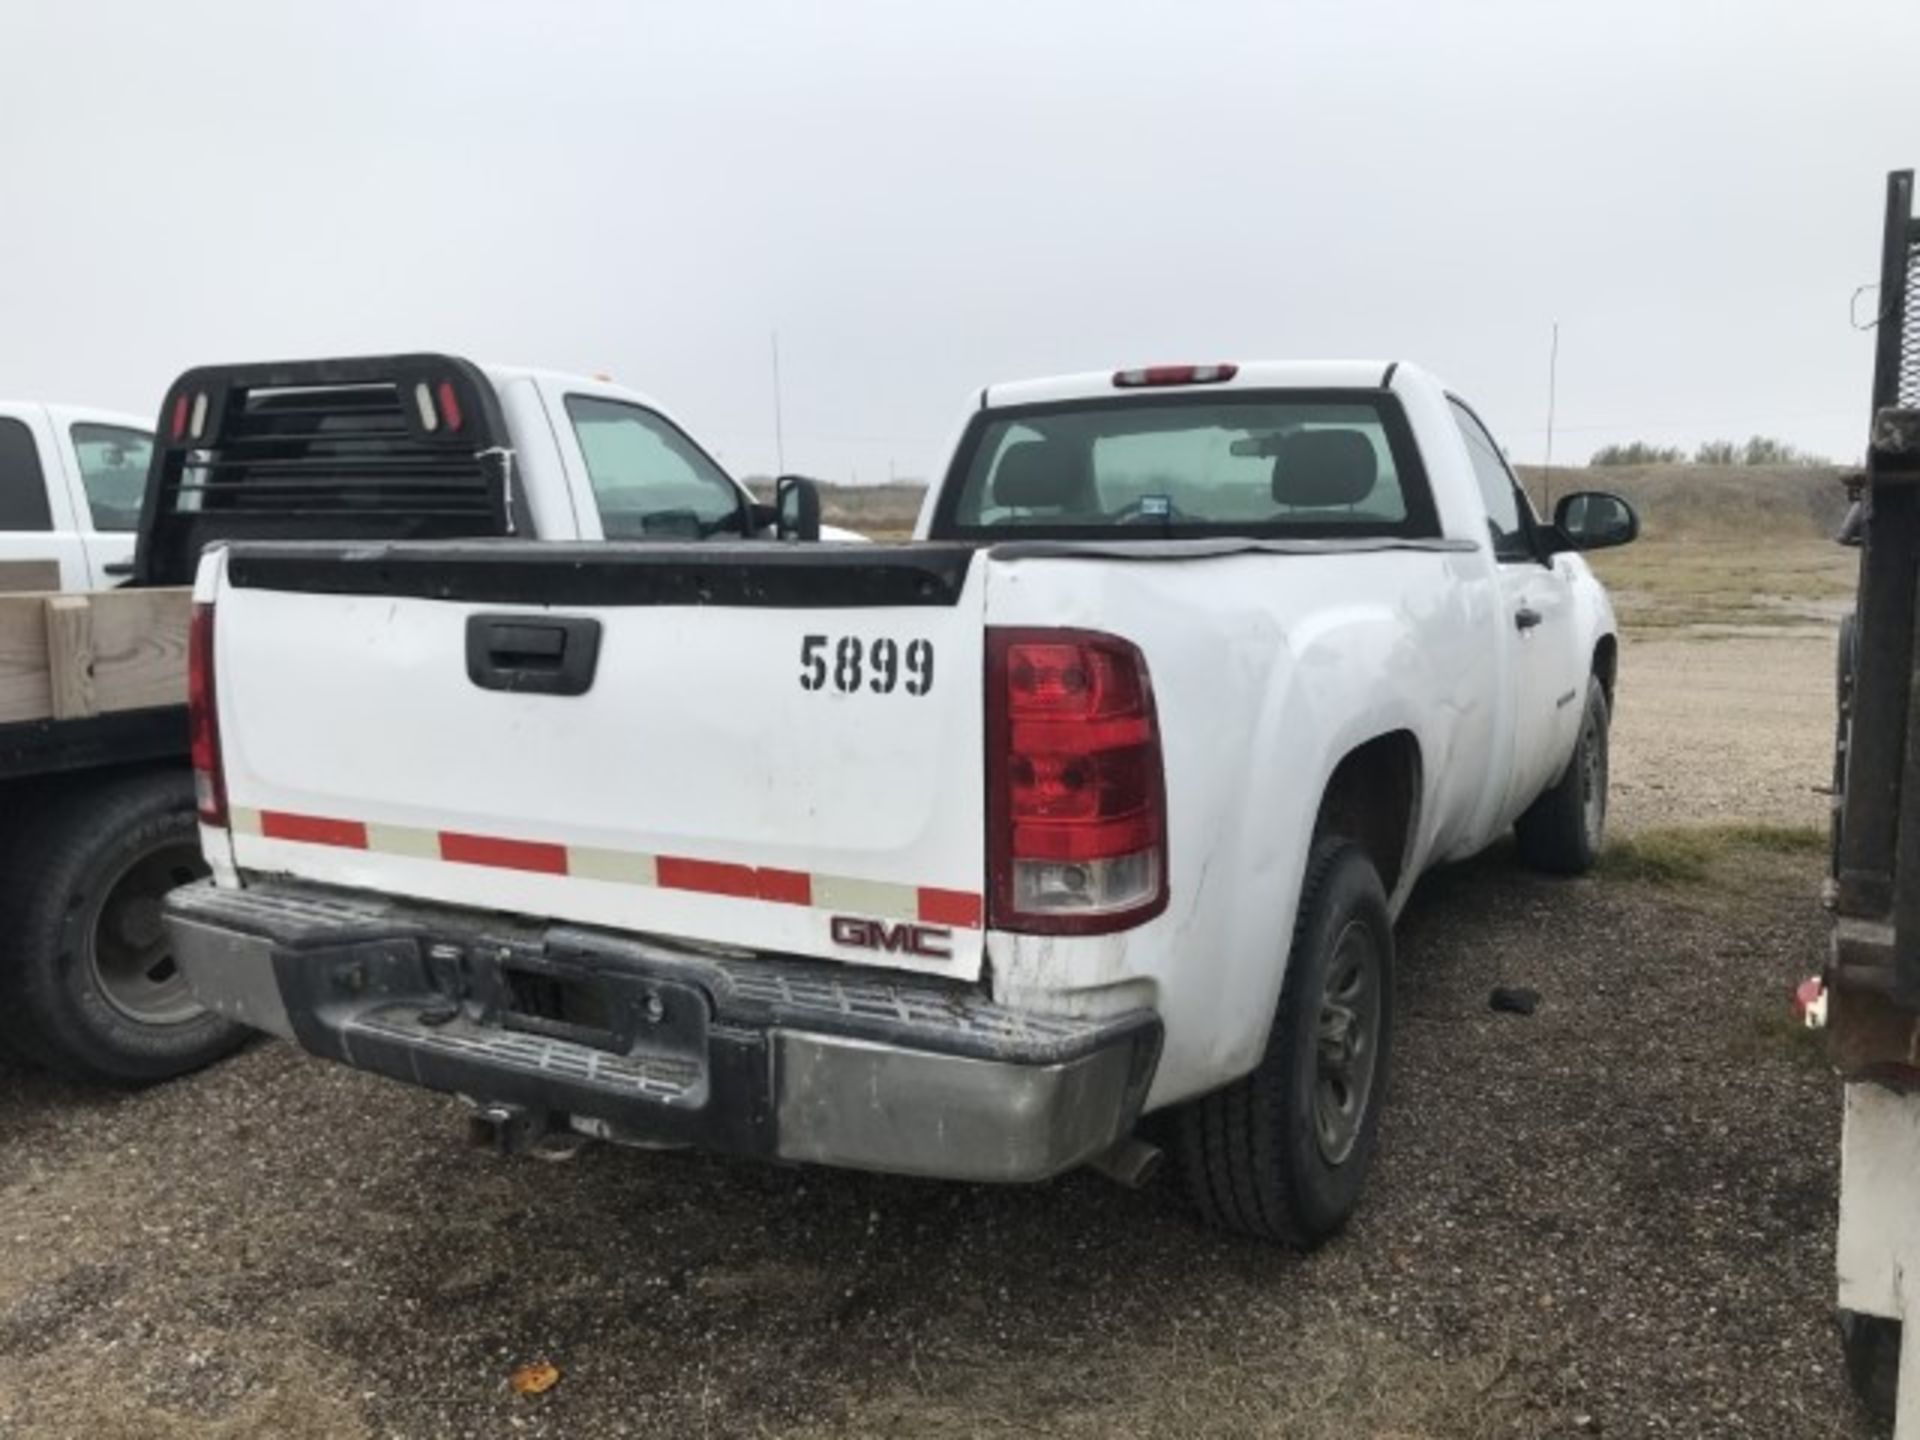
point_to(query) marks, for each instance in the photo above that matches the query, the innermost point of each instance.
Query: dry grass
(1339, 1381)
(1703, 580)
(1694, 855)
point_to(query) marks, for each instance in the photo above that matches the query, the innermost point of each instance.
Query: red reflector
(313, 829)
(788, 887)
(742, 882)
(949, 907)
(179, 426)
(449, 404)
(1077, 801)
(1174, 375)
(533, 855)
(203, 720)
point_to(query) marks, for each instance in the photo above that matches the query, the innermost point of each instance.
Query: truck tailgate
(775, 748)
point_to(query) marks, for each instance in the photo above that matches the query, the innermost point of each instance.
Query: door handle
(118, 567)
(532, 656)
(1526, 617)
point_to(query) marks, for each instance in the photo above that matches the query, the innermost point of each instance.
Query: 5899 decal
(849, 664)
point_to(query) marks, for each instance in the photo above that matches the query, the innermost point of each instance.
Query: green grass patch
(1775, 1033)
(1686, 855)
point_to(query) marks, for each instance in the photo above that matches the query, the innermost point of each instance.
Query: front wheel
(1563, 830)
(1283, 1153)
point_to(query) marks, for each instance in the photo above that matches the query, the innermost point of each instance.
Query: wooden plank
(139, 645)
(70, 656)
(26, 691)
(18, 575)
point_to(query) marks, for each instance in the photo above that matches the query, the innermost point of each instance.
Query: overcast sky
(924, 197)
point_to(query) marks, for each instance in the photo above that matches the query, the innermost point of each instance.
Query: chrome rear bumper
(641, 1041)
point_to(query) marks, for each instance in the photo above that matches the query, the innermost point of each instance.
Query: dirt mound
(1712, 499)
(1673, 500)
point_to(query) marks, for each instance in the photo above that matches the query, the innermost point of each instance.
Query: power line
(1553, 381)
(779, 437)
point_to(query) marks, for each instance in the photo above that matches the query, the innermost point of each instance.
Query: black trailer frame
(1876, 943)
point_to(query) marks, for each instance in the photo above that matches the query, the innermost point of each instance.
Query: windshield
(651, 482)
(113, 468)
(1285, 464)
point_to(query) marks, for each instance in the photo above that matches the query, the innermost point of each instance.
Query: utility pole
(1553, 377)
(779, 435)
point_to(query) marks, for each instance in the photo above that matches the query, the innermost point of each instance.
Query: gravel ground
(1614, 1216)
(1724, 725)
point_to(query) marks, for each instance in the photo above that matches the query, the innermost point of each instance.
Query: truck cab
(71, 478)
(425, 447)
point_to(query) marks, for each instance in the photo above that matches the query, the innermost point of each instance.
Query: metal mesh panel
(1908, 384)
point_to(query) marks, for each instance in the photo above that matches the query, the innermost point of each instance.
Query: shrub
(1638, 452)
(1758, 450)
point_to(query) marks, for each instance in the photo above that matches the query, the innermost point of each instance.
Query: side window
(649, 480)
(113, 468)
(1511, 538)
(23, 489)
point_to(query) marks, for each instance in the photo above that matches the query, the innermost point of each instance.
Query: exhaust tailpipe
(1132, 1162)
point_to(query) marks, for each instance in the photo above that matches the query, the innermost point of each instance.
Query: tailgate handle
(532, 657)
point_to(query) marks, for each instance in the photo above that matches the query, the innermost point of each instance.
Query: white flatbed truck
(98, 818)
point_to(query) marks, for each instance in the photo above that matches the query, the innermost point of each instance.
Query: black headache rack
(387, 447)
(1876, 891)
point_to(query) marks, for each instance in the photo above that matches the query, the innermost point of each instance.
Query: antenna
(779, 436)
(1553, 377)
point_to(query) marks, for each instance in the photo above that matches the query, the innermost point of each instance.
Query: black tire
(86, 987)
(1872, 1348)
(1256, 1154)
(1563, 830)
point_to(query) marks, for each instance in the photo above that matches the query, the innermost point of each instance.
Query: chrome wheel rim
(132, 964)
(1348, 1043)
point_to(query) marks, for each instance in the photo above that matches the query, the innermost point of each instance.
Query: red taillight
(189, 415)
(1076, 801)
(449, 405)
(203, 720)
(1174, 375)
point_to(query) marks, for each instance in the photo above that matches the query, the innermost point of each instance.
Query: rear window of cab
(1281, 464)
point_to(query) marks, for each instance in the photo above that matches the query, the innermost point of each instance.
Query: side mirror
(796, 506)
(1594, 520)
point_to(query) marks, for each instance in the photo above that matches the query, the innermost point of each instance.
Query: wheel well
(1371, 799)
(1606, 660)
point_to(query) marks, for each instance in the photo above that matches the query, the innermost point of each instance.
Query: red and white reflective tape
(926, 904)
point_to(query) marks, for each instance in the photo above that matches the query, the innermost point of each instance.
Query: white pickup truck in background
(952, 858)
(71, 479)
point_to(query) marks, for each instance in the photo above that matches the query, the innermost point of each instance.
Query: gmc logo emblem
(927, 941)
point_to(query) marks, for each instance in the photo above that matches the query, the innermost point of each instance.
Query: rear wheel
(90, 985)
(1283, 1153)
(1563, 830)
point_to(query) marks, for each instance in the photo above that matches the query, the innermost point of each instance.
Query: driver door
(1548, 674)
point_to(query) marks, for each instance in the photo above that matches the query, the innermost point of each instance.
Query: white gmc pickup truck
(953, 858)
